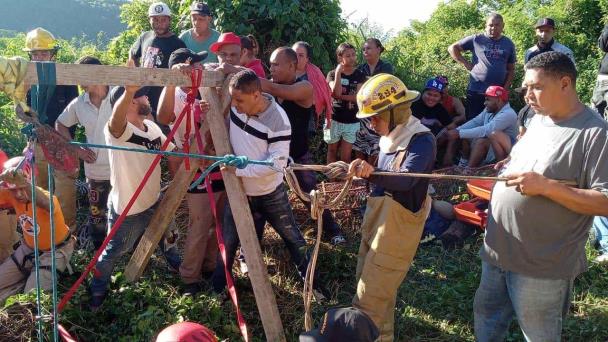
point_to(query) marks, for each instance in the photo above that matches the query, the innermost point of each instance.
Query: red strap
(220, 242)
(222, 247)
(195, 76)
(65, 335)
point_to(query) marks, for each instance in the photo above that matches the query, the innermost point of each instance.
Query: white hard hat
(158, 9)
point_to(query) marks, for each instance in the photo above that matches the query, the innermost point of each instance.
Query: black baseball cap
(117, 92)
(343, 324)
(200, 8)
(545, 22)
(181, 55)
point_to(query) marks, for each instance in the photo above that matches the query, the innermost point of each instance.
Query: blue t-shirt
(490, 60)
(197, 46)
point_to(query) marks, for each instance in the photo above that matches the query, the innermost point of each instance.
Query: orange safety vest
(25, 217)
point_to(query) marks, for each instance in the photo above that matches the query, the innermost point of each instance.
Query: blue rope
(53, 261)
(229, 159)
(36, 254)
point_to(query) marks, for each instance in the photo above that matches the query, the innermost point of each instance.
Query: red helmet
(186, 332)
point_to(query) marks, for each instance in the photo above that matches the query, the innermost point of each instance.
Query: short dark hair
(555, 64)
(291, 55)
(377, 42)
(246, 81)
(306, 47)
(88, 60)
(495, 15)
(343, 47)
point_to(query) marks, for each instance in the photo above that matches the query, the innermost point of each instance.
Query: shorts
(339, 130)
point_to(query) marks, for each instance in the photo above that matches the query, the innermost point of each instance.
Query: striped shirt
(260, 137)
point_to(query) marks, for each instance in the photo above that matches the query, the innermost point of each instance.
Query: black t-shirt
(525, 115)
(62, 96)
(299, 117)
(154, 52)
(345, 111)
(421, 110)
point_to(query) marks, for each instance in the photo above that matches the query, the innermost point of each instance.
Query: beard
(144, 110)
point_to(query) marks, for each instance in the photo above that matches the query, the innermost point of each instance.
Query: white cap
(159, 8)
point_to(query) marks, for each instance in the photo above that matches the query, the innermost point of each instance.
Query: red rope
(196, 77)
(70, 293)
(220, 241)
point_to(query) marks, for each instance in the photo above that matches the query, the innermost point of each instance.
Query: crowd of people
(537, 226)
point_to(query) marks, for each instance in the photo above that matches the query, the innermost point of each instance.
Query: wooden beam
(87, 74)
(162, 217)
(258, 274)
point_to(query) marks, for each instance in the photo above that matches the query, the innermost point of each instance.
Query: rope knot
(239, 162)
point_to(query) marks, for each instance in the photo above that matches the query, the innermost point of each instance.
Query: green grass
(434, 303)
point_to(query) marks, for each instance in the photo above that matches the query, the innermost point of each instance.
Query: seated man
(260, 129)
(16, 271)
(429, 109)
(491, 134)
(128, 127)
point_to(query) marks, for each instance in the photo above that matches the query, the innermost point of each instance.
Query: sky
(390, 14)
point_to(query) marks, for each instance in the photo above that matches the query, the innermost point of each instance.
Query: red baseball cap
(225, 38)
(498, 91)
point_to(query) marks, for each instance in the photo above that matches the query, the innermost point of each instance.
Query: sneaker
(320, 293)
(463, 162)
(173, 260)
(191, 289)
(96, 301)
(602, 259)
(338, 240)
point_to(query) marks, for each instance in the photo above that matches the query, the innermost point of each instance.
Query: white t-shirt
(94, 120)
(128, 168)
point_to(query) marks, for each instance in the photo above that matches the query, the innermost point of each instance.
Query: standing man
(398, 206)
(259, 129)
(42, 46)
(493, 62)
(545, 31)
(600, 92)
(92, 110)
(297, 100)
(128, 127)
(534, 246)
(153, 48)
(201, 35)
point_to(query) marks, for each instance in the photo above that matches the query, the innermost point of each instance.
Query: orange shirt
(24, 215)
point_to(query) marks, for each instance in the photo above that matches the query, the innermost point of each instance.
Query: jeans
(475, 104)
(308, 181)
(539, 304)
(275, 209)
(98, 204)
(600, 225)
(131, 230)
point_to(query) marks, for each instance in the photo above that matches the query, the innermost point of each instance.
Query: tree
(420, 52)
(274, 23)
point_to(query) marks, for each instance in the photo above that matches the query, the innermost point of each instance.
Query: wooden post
(87, 74)
(162, 218)
(258, 274)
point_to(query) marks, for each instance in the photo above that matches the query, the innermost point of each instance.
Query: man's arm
(510, 75)
(277, 151)
(455, 50)
(166, 106)
(300, 92)
(118, 121)
(459, 109)
(582, 201)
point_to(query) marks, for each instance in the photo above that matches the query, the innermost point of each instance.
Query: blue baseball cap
(434, 84)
